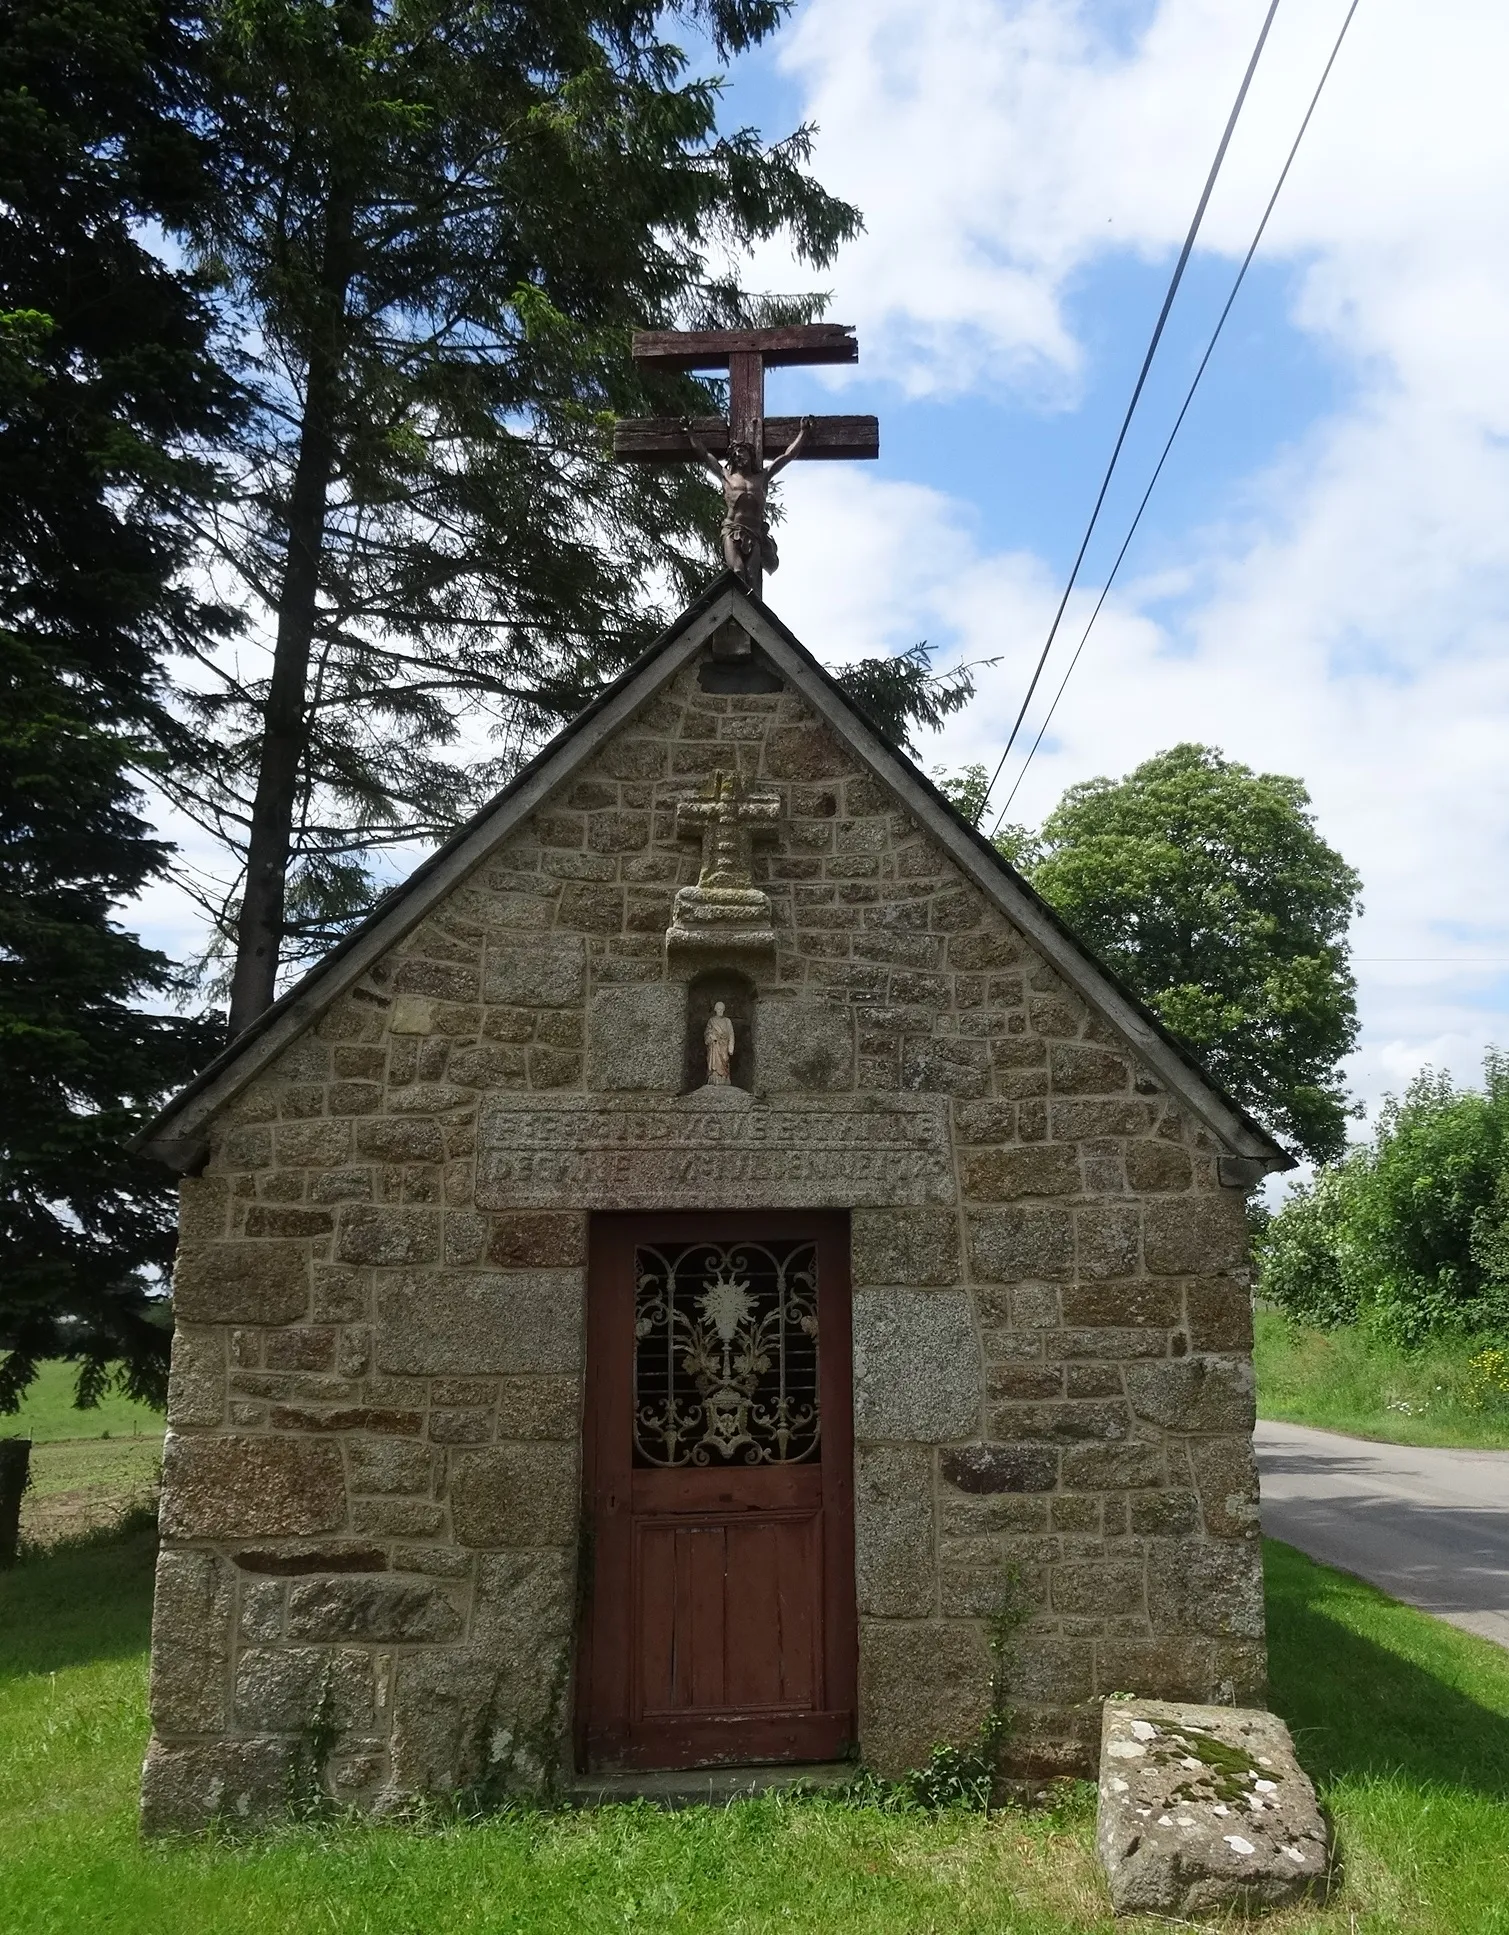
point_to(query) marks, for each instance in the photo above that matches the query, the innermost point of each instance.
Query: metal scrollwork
(725, 1354)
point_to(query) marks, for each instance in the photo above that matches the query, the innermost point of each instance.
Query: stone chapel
(654, 1294)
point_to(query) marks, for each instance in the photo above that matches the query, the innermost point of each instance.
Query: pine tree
(106, 388)
(438, 224)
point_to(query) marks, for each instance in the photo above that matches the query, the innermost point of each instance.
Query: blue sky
(1322, 580)
(1321, 586)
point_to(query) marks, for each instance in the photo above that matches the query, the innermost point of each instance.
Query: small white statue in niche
(718, 1036)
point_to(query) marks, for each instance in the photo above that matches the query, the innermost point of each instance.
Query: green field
(1343, 1380)
(86, 1466)
(48, 1413)
(1403, 1721)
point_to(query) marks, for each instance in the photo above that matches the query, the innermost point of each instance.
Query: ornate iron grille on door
(725, 1354)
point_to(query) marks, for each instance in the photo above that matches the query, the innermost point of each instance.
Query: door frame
(603, 1662)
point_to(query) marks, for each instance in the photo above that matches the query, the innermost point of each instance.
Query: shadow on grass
(88, 1599)
(1370, 1687)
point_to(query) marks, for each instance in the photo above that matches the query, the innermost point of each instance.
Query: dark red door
(720, 1622)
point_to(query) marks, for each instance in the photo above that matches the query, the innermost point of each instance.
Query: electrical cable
(1147, 362)
(1178, 421)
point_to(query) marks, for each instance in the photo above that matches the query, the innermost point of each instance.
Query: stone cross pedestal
(725, 912)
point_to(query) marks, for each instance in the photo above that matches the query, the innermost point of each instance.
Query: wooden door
(720, 1621)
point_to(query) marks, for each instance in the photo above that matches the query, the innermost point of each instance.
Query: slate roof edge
(177, 1134)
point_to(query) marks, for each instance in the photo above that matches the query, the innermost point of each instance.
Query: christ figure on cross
(748, 547)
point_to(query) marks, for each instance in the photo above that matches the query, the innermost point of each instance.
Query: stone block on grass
(1203, 1810)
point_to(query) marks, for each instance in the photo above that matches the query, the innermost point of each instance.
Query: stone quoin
(994, 1213)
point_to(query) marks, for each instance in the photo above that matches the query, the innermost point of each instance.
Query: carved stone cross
(737, 449)
(725, 910)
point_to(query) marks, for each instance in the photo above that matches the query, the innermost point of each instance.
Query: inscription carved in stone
(682, 1154)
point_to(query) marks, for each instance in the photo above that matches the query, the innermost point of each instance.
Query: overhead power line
(1184, 410)
(1147, 363)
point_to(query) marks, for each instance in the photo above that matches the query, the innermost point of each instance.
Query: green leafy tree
(1408, 1235)
(1208, 889)
(1301, 1250)
(106, 389)
(437, 225)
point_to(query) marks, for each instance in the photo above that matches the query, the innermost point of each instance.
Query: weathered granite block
(1204, 1809)
(196, 1385)
(370, 1608)
(185, 1788)
(1000, 1175)
(191, 1635)
(1050, 1672)
(516, 1494)
(539, 1407)
(1194, 1393)
(1029, 1241)
(523, 976)
(635, 1037)
(893, 1531)
(916, 1366)
(525, 1239)
(450, 1321)
(444, 1716)
(1000, 1468)
(525, 1605)
(953, 1066)
(241, 1283)
(905, 1246)
(1196, 1235)
(1218, 1315)
(922, 1684)
(1227, 1480)
(240, 1487)
(1200, 1587)
(388, 1236)
(804, 1045)
(388, 1465)
(279, 1689)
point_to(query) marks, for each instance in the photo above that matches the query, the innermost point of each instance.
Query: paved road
(1430, 1527)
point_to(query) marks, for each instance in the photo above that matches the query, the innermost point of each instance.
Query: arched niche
(737, 993)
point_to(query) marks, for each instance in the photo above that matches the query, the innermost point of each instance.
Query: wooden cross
(746, 354)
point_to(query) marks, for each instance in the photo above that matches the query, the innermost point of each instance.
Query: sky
(1321, 583)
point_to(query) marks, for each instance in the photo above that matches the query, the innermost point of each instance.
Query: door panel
(720, 1620)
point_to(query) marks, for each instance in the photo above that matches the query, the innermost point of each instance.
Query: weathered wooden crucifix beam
(736, 449)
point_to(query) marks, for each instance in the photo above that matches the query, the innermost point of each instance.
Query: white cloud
(1406, 771)
(1345, 614)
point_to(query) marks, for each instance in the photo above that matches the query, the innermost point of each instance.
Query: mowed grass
(1404, 1722)
(87, 1467)
(48, 1413)
(1342, 1380)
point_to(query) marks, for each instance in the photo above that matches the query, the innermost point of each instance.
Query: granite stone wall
(372, 1483)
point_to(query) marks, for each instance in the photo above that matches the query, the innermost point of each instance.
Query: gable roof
(179, 1134)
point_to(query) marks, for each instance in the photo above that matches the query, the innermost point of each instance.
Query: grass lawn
(1343, 1381)
(48, 1413)
(86, 1466)
(1404, 1722)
